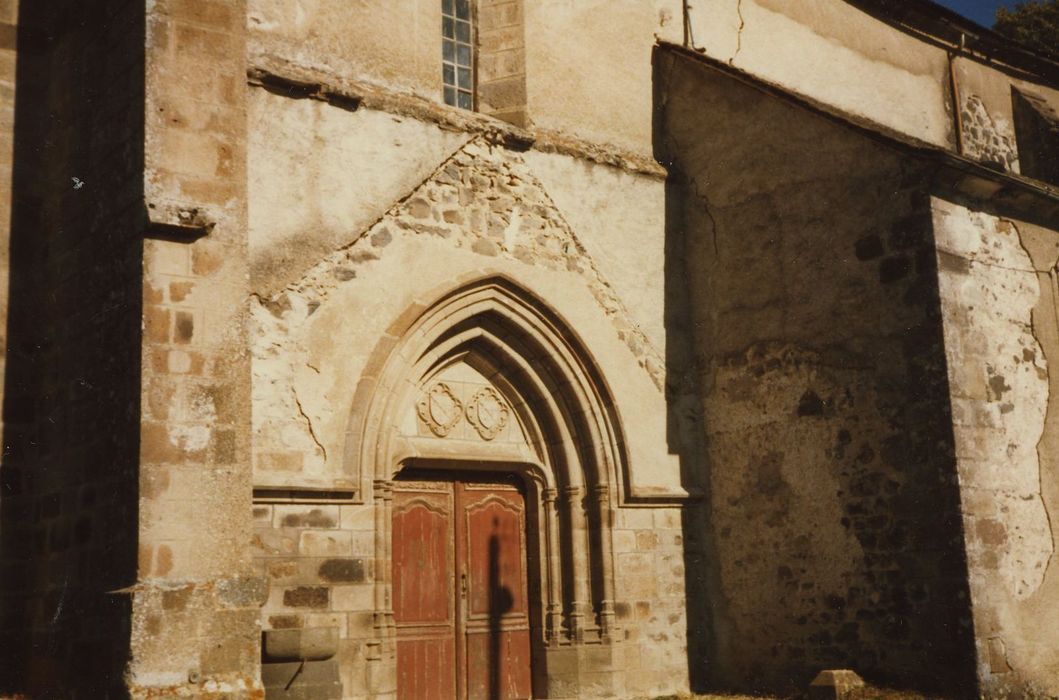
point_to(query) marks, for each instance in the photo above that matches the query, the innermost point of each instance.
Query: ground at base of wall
(867, 693)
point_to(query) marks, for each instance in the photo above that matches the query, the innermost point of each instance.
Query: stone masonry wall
(71, 403)
(486, 209)
(502, 60)
(652, 606)
(999, 301)
(990, 139)
(319, 562)
(832, 535)
(196, 616)
(483, 200)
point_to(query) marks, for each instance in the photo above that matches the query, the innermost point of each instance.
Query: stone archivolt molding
(487, 412)
(542, 377)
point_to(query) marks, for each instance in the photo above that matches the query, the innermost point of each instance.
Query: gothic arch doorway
(462, 563)
(488, 378)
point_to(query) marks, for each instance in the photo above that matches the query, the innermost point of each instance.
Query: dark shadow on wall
(500, 601)
(684, 420)
(68, 476)
(803, 312)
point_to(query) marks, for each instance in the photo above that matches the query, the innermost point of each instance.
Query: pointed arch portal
(570, 455)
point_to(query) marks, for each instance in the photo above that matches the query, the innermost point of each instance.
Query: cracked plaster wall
(986, 138)
(482, 201)
(832, 530)
(605, 229)
(987, 112)
(873, 70)
(362, 162)
(997, 281)
(593, 253)
(605, 63)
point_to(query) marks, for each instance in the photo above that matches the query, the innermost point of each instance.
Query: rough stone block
(306, 597)
(353, 598)
(308, 516)
(834, 684)
(321, 543)
(343, 570)
(313, 680)
(269, 542)
(306, 644)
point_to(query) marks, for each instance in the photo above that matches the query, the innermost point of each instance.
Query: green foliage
(1034, 23)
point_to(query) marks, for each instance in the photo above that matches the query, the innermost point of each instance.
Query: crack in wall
(316, 285)
(306, 277)
(1053, 286)
(1049, 276)
(707, 208)
(1053, 292)
(308, 421)
(739, 32)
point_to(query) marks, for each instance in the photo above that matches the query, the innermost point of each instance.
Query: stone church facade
(525, 348)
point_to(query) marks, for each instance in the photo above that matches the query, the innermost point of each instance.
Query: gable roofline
(959, 173)
(932, 22)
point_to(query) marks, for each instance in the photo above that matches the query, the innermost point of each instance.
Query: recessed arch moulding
(317, 368)
(497, 367)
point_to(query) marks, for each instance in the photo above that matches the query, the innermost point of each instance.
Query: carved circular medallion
(487, 412)
(440, 409)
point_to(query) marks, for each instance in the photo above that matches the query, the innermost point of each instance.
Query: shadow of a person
(501, 601)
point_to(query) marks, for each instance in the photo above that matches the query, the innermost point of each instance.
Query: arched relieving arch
(546, 373)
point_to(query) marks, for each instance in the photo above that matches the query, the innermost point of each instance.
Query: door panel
(494, 540)
(512, 679)
(423, 591)
(492, 553)
(460, 590)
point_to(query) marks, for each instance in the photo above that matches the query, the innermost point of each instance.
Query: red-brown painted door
(491, 556)
(479, 584)
(424, 591)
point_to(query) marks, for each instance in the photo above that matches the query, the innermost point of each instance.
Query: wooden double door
(460, 596)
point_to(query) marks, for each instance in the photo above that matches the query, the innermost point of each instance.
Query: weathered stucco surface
(480, 210)
(397, 43)
(596, 83)
(229, 216)
(871, 69)
(608, 97)
(619, 217)
(823, 394)
(320, 175)
(997, 283)
(987, 112)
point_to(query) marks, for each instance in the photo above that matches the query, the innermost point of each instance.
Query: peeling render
(484, 200)
(997, 282)
(985, 137)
